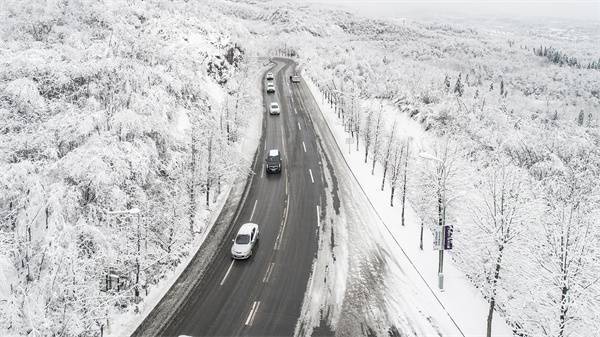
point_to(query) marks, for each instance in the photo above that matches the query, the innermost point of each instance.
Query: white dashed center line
(311, 176)
(227, 273)
(252, 313)
(253, 209)
(304, 146)
(299, 127)
(268, 274)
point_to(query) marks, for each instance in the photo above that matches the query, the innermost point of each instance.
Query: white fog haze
(579, 10)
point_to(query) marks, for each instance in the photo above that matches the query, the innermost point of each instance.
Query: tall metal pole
(442, 220)
(137, 261)
(441, 194)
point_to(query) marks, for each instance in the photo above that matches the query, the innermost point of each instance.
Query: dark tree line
(558, 57)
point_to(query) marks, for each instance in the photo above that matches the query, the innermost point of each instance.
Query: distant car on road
(270, 88)
(295, 78)
(273, 161)
(274, 108)
(270, 76)
(244, 241)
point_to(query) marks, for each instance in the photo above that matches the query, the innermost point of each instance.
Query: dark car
(273, 161)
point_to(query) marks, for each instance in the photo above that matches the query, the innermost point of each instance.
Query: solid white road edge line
(304, 146)
(227, 273)
(250, 318)
(311, 176)
(253, 209)
(269, 271)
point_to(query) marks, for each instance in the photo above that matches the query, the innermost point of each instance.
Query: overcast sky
(581, 10)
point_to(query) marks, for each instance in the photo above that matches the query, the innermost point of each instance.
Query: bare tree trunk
(392, 196)
(209, 169)
(385, 168)
(404, 181)
(373, 166)
(493, 295)
(376, 141)
(421, 240)
(192, 186)
(388, 153)
(564, 307)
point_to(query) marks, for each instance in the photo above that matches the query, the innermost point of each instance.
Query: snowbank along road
(261, 296)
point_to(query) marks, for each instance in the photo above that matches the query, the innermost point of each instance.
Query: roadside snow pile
(121, 126)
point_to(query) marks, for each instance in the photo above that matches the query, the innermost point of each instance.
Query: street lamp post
(441, 214)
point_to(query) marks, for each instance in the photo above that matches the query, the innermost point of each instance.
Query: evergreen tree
(580, 118)
(458, 87)
(447, 83)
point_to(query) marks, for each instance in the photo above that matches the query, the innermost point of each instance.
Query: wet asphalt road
(261, 296)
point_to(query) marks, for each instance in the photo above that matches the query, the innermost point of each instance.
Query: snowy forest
(120, 126)
(514, 141)
(121, 123)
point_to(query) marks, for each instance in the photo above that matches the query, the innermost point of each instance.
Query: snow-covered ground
(460, 300)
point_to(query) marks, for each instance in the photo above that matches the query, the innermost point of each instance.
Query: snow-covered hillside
(121, 124)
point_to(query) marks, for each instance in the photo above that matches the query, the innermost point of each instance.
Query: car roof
(273, 153)
(247, 228)
(271, 84)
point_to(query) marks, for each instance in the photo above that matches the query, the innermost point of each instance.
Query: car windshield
(272, 159)
(274, 105)
(242, 239)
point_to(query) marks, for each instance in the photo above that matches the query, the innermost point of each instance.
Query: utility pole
(441, 194)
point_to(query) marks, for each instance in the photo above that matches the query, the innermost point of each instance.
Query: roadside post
(349, 141)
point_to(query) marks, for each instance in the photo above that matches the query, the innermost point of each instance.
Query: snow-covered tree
(377, 138)
(568, 246)
(387, 153)
(500, 214)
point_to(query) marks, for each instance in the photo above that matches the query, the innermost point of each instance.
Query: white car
(244, 241)
(274, 108)
(270, 87)
(270, 76)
